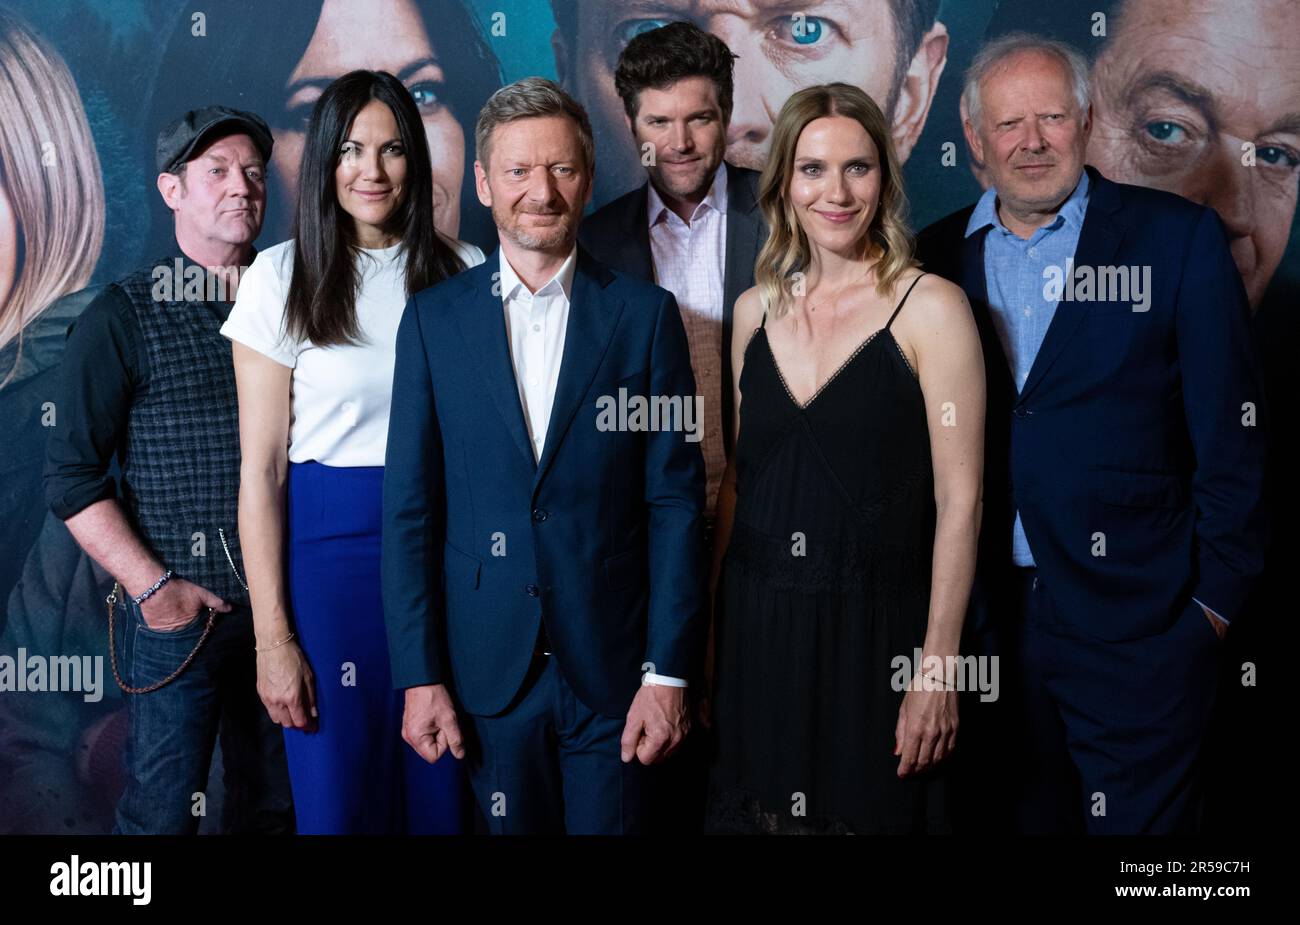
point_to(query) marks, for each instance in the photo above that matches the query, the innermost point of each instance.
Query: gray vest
(180, 476)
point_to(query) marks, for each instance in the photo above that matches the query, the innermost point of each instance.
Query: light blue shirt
(1013, 273)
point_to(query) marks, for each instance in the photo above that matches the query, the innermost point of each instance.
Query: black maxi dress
(826, 582)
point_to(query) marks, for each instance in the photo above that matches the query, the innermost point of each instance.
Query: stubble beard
(527, 240)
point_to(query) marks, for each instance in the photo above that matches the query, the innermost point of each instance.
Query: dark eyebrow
(660, 9)
(1287, 125)
(415, 66)
(318, 82)
(1192, 93)
(690, 115)
(323, 82)
(1189, 91)
(791, 7)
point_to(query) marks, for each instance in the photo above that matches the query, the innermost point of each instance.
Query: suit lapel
(744, 237)
(1098, 241)
(636, 257)
(483, 325)
(592, 319)
(975, 284)
(972, 269)
(744, 230)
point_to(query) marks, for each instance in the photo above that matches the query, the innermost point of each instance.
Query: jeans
(173, 730)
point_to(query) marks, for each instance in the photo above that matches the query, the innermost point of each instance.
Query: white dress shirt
(690, 262)
(535, 329)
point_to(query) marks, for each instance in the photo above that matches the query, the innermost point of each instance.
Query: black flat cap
(179, 140)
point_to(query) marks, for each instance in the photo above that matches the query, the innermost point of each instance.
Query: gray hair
(531, 98)
(1017, 43)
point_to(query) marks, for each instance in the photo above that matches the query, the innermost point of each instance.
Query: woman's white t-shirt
(340, 395)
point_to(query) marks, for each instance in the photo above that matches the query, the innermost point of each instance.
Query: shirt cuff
(79, 495)
(1212, 611)
(651, 678)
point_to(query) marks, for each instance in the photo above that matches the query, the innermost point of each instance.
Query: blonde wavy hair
(787, 250)
(50, 173)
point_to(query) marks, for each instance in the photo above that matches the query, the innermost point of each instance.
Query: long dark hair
(245, 60)
(322, 306)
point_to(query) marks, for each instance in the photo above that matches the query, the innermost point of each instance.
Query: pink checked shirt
(689, 261)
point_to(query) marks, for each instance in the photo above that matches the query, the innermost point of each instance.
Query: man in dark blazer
(694, 227)
(676, 87)
(542, 559)
(1122, 522)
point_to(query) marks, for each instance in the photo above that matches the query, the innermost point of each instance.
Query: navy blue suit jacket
(602, 537)
(1130, 423)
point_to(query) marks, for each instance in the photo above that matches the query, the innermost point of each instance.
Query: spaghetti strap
(900, 304)
(763, 323)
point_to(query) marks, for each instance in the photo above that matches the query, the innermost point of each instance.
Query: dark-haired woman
(314, 331)
(276, 58)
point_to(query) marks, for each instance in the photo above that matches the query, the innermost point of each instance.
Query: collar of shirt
(512, 287)
(172, 254)
(1072, 211)
(218, 307)
(715, 199)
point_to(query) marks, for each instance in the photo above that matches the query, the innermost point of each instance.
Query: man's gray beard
(534, 242)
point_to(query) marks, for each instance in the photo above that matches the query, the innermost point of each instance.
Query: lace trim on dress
(906, 361)
(804, 406)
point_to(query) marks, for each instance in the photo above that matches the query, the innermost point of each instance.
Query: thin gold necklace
(812, 306)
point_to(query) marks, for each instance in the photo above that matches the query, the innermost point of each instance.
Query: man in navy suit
(542, 549)
(1124, 454)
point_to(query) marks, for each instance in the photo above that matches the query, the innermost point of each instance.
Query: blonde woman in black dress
(850, 509)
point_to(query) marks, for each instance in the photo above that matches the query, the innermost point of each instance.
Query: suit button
(532, 590)
(1021, 413)
(539, 515)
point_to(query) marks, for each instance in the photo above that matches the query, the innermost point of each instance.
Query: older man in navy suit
(543, 566)
(1125, 451)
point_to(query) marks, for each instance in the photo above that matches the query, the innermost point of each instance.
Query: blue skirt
(354, 774)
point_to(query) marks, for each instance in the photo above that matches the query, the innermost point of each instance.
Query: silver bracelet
(141, 598)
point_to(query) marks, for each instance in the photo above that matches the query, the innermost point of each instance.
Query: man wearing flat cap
(147, 381)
